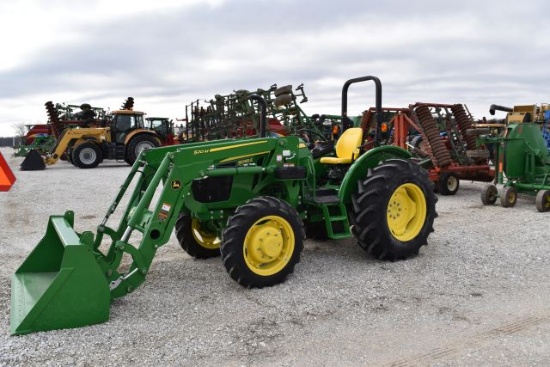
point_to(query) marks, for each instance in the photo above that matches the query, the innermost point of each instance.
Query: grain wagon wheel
(448, 183)
(489, 194)
(542, 200)
(508, 197)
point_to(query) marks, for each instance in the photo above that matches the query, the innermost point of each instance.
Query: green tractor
(249, 200)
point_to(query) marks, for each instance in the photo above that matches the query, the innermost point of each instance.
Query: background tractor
(163, 127)
(122, 135)
(249, 200)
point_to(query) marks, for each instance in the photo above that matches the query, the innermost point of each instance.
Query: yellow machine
(522, 113)
(123, 137)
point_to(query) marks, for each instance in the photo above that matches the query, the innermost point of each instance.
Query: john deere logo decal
(176, 184)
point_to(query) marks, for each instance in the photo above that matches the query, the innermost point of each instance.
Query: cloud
(167, 54)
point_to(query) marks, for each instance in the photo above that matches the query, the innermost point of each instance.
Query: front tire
(86, 155)
(262, 242)
(195, 239)
(394, 210)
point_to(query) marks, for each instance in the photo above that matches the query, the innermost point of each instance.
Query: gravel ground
(477, 295)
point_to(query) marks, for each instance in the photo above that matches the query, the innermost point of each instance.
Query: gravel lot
(477, 295)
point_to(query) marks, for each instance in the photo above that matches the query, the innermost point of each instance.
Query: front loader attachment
(60, 285)
(33, 162)
(70, 278)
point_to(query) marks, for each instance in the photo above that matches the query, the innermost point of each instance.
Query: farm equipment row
(91, 135)
(254, 178)
(441, 138)
(233, 115)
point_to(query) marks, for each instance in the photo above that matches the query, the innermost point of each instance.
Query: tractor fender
(79, 138)
(134, 133)
(83, 139)
(360, 167)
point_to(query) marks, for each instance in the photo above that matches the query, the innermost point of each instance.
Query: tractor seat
(347, 147)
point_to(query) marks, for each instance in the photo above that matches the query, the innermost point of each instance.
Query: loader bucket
(33, 162)
(60, 285)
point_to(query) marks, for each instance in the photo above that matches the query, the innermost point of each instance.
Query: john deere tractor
(123, 136)
(248, 200)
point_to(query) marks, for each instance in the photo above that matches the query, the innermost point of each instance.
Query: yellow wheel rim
(406, 212)
(269, 245)
(204, 238)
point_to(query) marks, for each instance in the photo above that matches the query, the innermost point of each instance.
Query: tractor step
(336, 219)
(327, 200)
(325, 192)
(120, 152)
(334, 213)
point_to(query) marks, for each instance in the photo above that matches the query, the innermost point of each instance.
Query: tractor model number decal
(201, 151)
(164, 210)
(243, 162)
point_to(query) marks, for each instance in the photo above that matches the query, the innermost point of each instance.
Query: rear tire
(86, 155)
(137, 145)
(394, 210)
(195, 239)
(262, 242)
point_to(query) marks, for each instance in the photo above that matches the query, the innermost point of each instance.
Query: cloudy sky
(167, 53)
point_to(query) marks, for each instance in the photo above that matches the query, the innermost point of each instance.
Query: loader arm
(163, 180)
(69, 136)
